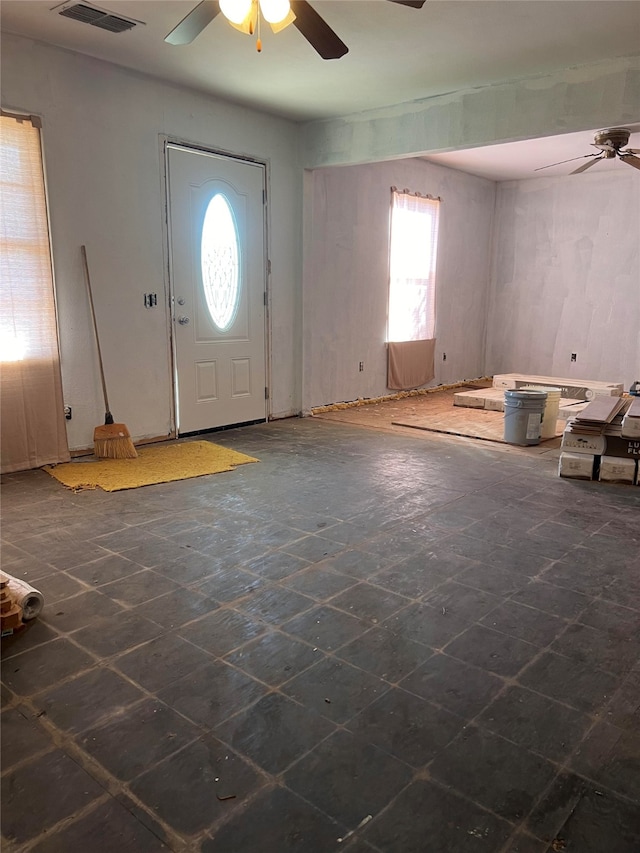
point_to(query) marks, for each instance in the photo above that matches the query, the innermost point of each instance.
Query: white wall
(565, 263)
(101, 129)
(345, 276)
(566, 277)
(601, 94)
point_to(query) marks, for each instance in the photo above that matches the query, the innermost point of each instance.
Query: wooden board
(634, 409)
(472, 423)
(602, 410)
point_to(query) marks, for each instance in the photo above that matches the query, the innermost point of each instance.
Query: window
(412, 266)
(32, 421)
(219, 254)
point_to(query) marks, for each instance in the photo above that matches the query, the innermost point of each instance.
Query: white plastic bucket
(551, 409)
(523, 411)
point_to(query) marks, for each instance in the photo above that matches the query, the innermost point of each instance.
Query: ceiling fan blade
(632, 151)
(631, 159)
(414, 4)
(585, 166)
(316, 31)
(571, 160)
(194, 23)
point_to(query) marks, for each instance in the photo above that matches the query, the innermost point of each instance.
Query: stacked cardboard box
(577, 389)
(603, 442)
(492, 399)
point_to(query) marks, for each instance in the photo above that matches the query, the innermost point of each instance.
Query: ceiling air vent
(97, 17)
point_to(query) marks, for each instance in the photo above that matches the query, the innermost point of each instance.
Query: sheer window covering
(412, 266)
(32, 426)
(412, 289)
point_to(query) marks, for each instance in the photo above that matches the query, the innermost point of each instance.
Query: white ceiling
(396, 55)
(515, 161)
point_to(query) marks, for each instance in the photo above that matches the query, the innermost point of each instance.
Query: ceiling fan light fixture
(275, 11)
(235, 11)
(244, 15)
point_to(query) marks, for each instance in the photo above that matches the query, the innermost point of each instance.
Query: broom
(111, 441)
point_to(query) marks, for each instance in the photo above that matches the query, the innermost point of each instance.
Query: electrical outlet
(574, 356)
(150, 300)
(360, 366)
(444, 356)
(68, 412)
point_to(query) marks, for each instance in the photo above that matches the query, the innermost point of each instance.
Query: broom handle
(95, 329)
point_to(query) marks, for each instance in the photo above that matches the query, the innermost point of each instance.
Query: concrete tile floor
(365, 643)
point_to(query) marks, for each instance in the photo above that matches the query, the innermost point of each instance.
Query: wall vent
(97, 17)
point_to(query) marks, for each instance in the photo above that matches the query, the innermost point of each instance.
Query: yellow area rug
(161, 464)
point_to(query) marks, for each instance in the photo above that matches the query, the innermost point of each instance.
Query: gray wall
(565, 263)
(566, 277)
(346, 271)
(101, 133)
(555, 269)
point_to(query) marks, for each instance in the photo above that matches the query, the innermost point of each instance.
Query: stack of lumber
(598, 442)
(599, 414)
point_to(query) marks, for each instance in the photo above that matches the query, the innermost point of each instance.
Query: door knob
(184, 321)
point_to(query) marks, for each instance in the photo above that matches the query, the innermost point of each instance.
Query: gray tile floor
(364, 643)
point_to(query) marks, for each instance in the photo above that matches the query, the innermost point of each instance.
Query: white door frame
(164, 141)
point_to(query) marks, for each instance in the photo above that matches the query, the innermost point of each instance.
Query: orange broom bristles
(113, 441)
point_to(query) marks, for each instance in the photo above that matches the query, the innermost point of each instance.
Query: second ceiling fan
(611, 142)
(298, 12)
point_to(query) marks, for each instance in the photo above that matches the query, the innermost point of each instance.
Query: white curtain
(412, 290)
(412, 267)
(32, 426)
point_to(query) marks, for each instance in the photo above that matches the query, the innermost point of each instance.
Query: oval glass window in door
(219, 258)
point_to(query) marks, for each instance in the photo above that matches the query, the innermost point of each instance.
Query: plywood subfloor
(403, 415)
(473, 423)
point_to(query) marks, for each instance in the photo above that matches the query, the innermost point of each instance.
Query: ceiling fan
(609, 143)
(244, 15)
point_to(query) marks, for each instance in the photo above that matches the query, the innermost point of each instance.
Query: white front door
(218, 278)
